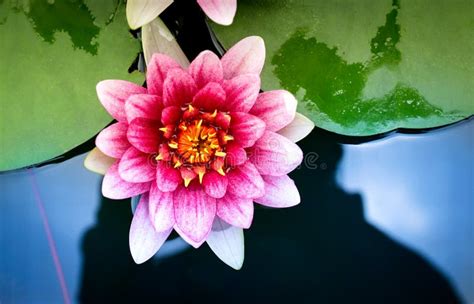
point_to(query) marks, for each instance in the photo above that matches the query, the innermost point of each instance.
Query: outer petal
(143, 105)
(113, 140)
(246, 56)
(114, 187)
(113, 94)
(157, 38)
(194, 212)
(144, 241)
(161, 209)
(215, 184)
(276, 155)
(236, 155)
(242, 92)
(227, 242)
(298, 129)
(179, 87)
(280, 192)
(276, 108)
(156, 73)
(246, 128)
(219, 11)
(211, 97)
(136, 166)
(140, 12)
(235, 210)
(167, 178)
(144, 135)
(245, 181)
(206, 68)
(96, 161)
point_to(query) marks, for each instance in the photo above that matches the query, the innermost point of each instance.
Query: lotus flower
(141, 12)
(200, 145)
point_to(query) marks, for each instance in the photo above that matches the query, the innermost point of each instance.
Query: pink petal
(276, 108)
(114, 187)
(227, 242)
(219, 11)
(161, 209)
(245, 181)
(206, 68)
(167, 178)
(113, 140)
(210, 97)
(246, 128)
(280, 192)
(144, 240)
(170, 115)
(113, 94)
(187, 239)
(157, 70)
(143, 105)
(236, 211)
(194, 212)
(246, 57)
(274, 154)
(179, 88)
(242, 92)
(298, 129)
(214, 184)
(236, 155)
(136, 166)
(144, 134)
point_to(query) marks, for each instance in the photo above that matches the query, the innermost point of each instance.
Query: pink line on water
(49, 236)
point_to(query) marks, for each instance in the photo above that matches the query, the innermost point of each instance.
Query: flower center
(196, 144)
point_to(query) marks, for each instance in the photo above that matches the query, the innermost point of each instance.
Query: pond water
(389, 220)
(381, 220)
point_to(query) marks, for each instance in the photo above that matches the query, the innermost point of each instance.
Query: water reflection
(322, 250)
(422, 195)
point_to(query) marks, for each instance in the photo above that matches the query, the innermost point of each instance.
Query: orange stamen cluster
(196, 144)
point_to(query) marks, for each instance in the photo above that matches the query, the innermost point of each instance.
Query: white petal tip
(98, 162)
(298, 129)
(227, 242)
(141, 12)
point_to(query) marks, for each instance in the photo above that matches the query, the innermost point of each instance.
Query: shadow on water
(320, 251)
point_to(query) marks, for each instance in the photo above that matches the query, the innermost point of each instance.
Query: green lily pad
(52, 55)
(366, 67)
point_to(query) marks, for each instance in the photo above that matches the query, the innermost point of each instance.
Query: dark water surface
(386, 221)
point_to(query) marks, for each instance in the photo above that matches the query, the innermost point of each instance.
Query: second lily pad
(366, 67)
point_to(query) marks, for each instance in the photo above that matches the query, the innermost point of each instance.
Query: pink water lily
(200, 145)
(141, 12)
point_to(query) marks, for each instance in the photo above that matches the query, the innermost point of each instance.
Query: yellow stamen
(214, 114)
(173, 145)
(177, 164)
(187, 180)
(220, 153)
(228, 137)
(164, 129)
(221, 171)
(159, 156)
